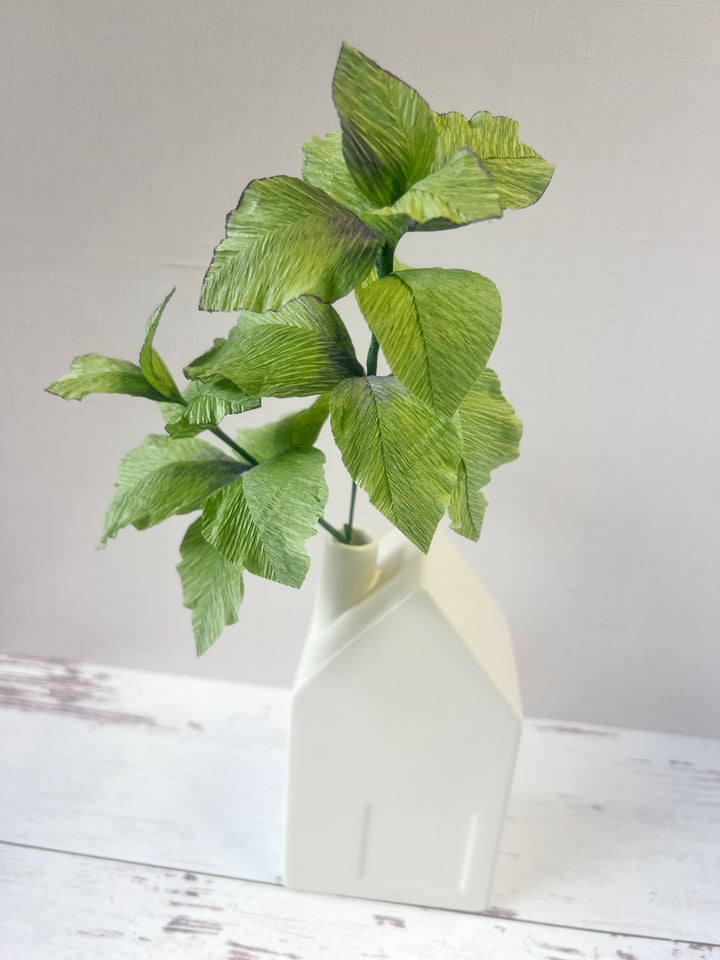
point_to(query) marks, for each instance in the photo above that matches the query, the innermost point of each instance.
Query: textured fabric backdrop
(130, 129)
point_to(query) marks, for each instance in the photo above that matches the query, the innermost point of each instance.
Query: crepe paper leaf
(437, 329)
(285, 239)
(212, 587)
(398, 451)
(163, 477)
(467, 507)
(388, 130)
(373, 276)
(490, 437)
(151, 363)
(94, 373)
(263, 519)
(460, 192)
(296, 351)
(520, 174)
(205, 406)
(299, 429)
(325, 168)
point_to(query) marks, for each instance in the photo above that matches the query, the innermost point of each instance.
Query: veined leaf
(490, 437)
(520, 174)
(263, 519)
(437, 329)
(212, 587)
(285, 239)
(206, 405)
(151, 363)
(459, 192)
(299, 429)
(373, 276)
(163, 477)
(388, 131)
(325, 168)
(94, 373)
(296, 351)
(467, 507)
(398, 451)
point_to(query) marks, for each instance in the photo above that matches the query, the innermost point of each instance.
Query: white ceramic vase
(406, 720)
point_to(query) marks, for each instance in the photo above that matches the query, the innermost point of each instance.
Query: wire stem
(234, 446)
(331, 530)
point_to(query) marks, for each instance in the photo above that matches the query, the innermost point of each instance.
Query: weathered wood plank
(608, 829)
(87, 908)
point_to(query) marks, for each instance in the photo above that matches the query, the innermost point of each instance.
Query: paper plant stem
(331, 530)
(234, 446)
(384, 265)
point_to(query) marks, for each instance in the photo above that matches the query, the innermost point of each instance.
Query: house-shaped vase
(406, 720)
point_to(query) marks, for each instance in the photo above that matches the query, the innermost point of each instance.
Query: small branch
(234, 446)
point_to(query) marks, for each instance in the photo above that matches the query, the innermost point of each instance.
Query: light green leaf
(459, 192)
(163, 477)
(212, 587)
(398, 451)
(94, 373)
(388, 131)
(296, 351)
(206, 405)
(263, 519)
(299, 429)
(520, 174)
(437, 329)
(151, 363)
(490, 437)
(325, 168)
(467, 507)
(286, 239)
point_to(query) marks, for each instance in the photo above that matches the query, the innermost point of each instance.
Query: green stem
(384, 266)
(234, 446)
(349, 524)
(331, 530)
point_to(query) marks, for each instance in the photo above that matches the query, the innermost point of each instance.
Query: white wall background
(130, 129)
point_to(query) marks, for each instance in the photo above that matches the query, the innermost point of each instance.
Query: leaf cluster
(420, 441)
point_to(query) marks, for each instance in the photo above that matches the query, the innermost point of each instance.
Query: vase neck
(347, 575)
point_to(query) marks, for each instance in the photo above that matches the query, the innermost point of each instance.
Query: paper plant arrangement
(420, 441)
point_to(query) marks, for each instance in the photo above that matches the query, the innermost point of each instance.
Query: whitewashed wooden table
(141, 816)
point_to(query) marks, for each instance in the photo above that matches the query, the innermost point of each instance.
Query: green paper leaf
(437, 329)
(467, 507)
(299, 350)
(286, 239)
(263, 519)
(325, 168)
(212, 587)
(163, 477)
(460, 192)
(94, 373)
(299, 429)
(520, 174)
(388, 130)
(490, 437)
(398, 451)
(151, 363)
(207, 404)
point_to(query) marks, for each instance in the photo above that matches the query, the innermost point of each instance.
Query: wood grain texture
(608, 829)
(120, 911)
